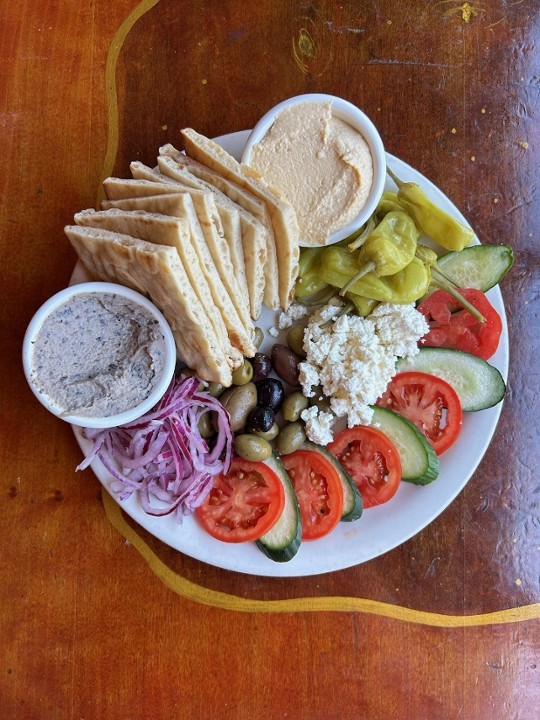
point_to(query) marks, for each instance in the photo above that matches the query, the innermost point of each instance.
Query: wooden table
(100, 620)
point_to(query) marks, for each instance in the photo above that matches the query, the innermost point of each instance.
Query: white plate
(381, 528)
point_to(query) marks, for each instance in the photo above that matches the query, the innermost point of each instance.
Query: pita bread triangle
(243, 198)
(213, 254)
(121, 188)
(243, 234)
(254, 244)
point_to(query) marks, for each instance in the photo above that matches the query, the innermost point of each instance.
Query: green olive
(269, 434)
(239, 401)
(258, 337)
(252, 447)
(293, 405)
(295, 339)
(243, 374)
(215, 389)
(290, 438)
(205, 425)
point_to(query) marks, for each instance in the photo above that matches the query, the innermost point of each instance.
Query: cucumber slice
(478, 266)
(282, 541)
(352, 500)
(419, 462)
(478, 384)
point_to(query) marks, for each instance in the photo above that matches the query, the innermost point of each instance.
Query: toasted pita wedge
(283, 217)
(236, 230)
(135, 188)
(215, 258)
(174, 232)
(121, 188)
(245, 235)
(140, 171)
(156, 271)
(219, 242)
(253, 205)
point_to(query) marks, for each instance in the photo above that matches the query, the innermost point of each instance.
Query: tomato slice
(319, 491)
(244, 504)
(429, 402)
(371, 459)
(452, 326)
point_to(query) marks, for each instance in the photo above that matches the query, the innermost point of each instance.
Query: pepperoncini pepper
(362, 305)
(309, 288)
(388, 249)
(388, 202)
(309, 284)
(338, 268)
(431, 219)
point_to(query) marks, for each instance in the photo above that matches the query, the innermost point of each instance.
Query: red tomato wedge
(429, 402)
(319, 491)
(244, 504)
(371, 459)
(451, 326)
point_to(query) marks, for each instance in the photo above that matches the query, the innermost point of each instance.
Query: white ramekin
(161, 384)
(349, 113)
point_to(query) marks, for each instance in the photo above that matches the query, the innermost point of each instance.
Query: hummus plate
(381, 528)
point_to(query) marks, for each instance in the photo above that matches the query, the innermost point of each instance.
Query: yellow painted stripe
(191, 591)
(110, 86)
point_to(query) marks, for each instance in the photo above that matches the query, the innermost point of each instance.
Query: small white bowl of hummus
(99, 355)
(326, 157)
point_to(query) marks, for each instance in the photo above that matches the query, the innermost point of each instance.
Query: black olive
(261, 419)
(270, 393)
(262, 367)
(285, 363)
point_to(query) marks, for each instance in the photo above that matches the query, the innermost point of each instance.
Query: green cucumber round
(419, 462)
(479, 266)
(282, 541)
(478, 384)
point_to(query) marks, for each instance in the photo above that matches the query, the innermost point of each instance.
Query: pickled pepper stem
(394, 177)
(368, 267)
(448, 279)
(440, 281)
(438, 278)
(361, 239)
(344, 310)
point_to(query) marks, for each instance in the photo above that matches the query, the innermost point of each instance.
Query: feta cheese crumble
(399, 327)
(318, 425)
(352, 361)
(288, 318)
(296, 311)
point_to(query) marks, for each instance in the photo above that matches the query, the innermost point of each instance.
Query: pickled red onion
(162, 455)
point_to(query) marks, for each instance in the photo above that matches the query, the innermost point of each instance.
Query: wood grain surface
(98, 619)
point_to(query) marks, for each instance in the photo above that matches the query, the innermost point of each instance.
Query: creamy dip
(98, 355)
(321, 164)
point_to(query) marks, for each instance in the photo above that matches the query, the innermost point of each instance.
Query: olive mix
(264, 408)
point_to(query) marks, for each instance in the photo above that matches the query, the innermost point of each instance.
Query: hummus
(97, 355)
(320, 164)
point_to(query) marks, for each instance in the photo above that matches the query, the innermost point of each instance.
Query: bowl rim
(357, 118)
(63, 296)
